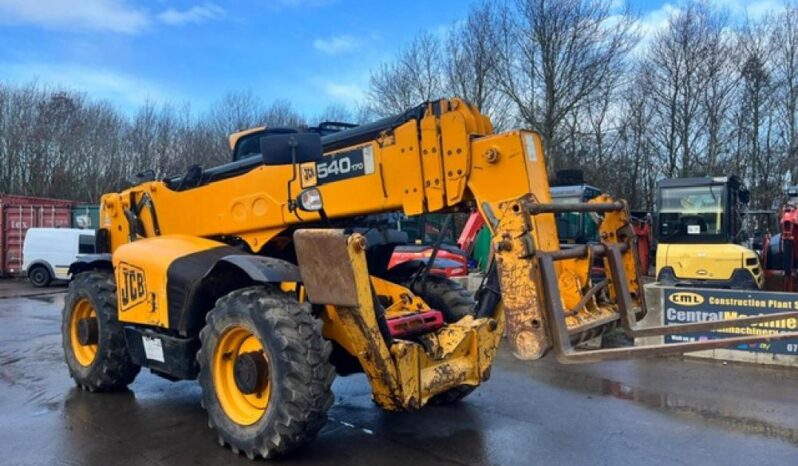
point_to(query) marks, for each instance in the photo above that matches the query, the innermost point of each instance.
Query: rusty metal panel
(520, 285)
(325, 266)
(403, 374)
(20, 213)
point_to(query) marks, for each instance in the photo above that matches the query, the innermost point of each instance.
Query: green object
(86, 216)
(481, 252)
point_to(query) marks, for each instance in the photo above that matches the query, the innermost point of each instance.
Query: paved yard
(665, 411)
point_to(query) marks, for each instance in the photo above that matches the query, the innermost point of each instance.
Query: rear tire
(40, 276)
(445, 295)
(284, 404)
(105, 365)
(455, 302)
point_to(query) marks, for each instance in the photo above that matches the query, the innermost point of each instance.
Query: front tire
(265, 372)
(94, 342)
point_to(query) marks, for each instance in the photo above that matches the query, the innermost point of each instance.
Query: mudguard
(264, 269)
(195, 283)
(172, 281)
(90, 262)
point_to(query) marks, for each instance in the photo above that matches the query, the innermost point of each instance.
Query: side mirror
(278, 149)
(744, 196)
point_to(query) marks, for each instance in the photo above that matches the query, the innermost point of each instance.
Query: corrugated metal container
(17, 215)
(86, 216)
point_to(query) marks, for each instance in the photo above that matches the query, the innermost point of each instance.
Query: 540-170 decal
(339, 166)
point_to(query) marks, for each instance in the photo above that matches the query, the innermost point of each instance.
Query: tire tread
(112, 369)
(305, 391)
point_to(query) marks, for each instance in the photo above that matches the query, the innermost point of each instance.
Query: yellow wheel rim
(242, 408)
(84, 354)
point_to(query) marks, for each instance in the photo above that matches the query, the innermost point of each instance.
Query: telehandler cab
(260, 279)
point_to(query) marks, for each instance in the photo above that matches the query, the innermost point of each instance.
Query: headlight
(310, 200)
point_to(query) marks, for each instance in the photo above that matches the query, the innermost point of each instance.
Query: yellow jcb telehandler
(266, 276)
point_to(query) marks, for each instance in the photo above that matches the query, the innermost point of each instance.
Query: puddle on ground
(718, 413)
(50, 299)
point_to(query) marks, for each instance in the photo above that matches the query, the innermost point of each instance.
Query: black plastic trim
(179, 353)
(741, 279)
(89, 262)
(196, 281)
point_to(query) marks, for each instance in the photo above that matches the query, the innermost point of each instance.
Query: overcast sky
(311, 52)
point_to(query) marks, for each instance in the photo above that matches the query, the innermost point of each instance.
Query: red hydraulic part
(778, 252)
(642, 228)
(470, 231)
(415, 324)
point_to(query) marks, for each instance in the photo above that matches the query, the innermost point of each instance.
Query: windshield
(572, 226)
(692, 213)
(424, 229)
(248, 146)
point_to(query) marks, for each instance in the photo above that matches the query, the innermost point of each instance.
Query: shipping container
(86, 216)
(17, 215)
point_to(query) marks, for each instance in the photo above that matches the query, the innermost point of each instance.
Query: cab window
(692, 213)
(248, 146)
(574, 226)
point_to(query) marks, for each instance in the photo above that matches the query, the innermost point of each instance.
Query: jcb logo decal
(308, 171)
(686, 298)
(132, 286)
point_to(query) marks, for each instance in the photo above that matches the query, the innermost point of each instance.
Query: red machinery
(453, 261)
(433, 232)
(779, 252)
(450, 261)
(641, 224)
(469, 234)
(642, 227)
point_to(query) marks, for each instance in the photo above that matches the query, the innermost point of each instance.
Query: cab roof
(571, 190)
(233, 138)
(699, 181)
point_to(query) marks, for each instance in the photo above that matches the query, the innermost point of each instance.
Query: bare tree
(636, 168)
(471, 64)
(555, 55)
(336, 113)
(718, 85)
(415, 76)
(706, 96)
(236, 111)
(674, 66)
(785, 67)
(756, 148)
(281, 113)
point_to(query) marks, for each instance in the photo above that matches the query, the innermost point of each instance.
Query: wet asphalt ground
(665, 411)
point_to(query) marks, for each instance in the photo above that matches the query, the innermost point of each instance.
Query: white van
(48, 252)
